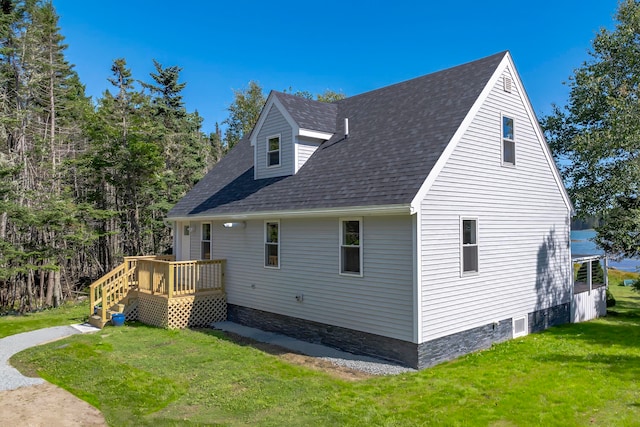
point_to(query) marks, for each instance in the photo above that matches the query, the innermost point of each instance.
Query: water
(582, 245)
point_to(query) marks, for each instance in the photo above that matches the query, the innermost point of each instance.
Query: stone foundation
(418, 356)
(441, 349)
(350, 340)
(548, 317)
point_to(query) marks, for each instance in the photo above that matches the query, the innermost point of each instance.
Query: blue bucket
(117, 319)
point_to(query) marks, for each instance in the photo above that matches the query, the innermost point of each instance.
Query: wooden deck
(162, 292)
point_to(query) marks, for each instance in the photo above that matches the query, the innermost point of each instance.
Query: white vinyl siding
(379, 303)
(304, 150)
(195, 240)
(523, 227)
(274, 125)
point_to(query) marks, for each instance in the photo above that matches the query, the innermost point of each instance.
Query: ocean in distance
(581, 244)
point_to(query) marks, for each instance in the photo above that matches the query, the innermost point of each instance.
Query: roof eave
(380, 210)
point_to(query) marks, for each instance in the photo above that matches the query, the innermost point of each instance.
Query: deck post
(606, 271)
(170, 280)
(223, 265)
(92, 299)
(590, 275)
(126, 272)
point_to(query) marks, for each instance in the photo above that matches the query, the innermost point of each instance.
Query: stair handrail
(109, 288)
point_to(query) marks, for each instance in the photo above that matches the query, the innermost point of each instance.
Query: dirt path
(48, 406)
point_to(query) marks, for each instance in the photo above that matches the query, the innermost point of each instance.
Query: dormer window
(273, 151)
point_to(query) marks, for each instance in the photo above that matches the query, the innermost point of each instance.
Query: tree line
(85, 182)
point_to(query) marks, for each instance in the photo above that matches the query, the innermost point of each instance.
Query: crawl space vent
(519, 326)
(507, 84)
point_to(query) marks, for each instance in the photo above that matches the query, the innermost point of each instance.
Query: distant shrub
(611, 300)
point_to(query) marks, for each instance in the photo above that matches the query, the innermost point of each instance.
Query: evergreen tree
(41, 101)
(186, 150)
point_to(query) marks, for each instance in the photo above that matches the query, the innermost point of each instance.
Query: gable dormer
(288, 132)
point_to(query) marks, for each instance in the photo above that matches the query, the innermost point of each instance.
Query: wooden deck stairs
(113, 293)
(158, 291)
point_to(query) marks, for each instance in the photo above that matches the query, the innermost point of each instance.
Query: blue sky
(348, 46)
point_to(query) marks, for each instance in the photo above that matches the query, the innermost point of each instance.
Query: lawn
(573, 375)
(66, 314)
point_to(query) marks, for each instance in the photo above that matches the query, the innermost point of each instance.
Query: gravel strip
(366, 364)
(10, 378)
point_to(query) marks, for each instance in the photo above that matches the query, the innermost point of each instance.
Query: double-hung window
(272, 244)
(205, 252)
(273, 151)
(508, 141)
(351, 246)
(469, 237)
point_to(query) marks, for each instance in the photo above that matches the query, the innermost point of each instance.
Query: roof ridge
(432, 74)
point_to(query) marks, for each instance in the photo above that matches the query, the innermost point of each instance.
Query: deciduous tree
(595, 138)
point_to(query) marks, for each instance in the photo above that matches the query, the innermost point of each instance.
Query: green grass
(573, 375)
(66, 314)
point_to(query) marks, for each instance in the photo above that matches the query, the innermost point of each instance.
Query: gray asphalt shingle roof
(310, 114)
(396, 135)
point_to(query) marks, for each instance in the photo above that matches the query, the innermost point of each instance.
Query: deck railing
(173, 279)
(111, 288)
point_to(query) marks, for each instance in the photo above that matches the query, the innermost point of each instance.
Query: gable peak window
(351, 246)
(469, 239)
(273, 151)
(272, 244)
(508, 141)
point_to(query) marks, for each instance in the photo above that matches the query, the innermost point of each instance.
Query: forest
(84, 181)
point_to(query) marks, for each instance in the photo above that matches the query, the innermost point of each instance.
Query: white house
(416, 222)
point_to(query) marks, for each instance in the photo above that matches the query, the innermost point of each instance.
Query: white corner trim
(296, 154)
(471, 114)
(417, 277)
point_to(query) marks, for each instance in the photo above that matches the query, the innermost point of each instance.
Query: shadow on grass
(621, 330)
(246, 342)
(622, 366)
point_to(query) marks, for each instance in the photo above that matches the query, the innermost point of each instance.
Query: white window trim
(279, 151)
(210, 239)
(462, 272)
(503, 139)
(340, 241)
(264, 261)
(526, 326)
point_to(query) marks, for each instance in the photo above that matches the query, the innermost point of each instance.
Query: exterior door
(185, 242)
